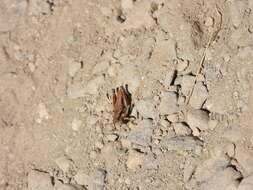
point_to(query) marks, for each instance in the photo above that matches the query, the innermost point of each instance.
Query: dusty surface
(188, 65)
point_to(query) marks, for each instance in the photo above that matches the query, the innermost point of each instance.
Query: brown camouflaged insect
(122, 104)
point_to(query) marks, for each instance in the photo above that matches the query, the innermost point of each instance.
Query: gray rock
(209, 21)
(146, 108)
(149, 163)
(75, 91)
(112, 137)
(181, 143)
(215, 173)
(76, 124)
(91, 120)
(98, 182)
(37, 7)
(65, 187)
(74, 67)
(198, 119)
(169, 77)
(19, 8)
(199, 96)
(245, 159)
(164, 52)
(64, 164)
(182, 65)
(141, 134)
(233, 135)
(106, 11)
(82, 178)
(246, 183)
(237, 9)
(39, 181)
(101, 66)
(181, 129)
(129, 74)
(187, 84)
(103, 63)
(126, 5)
(163, 20)
(11, 11)
(225, 179)
(139, 16)
(147, 48)
(94, 84)
(168, 103)
(189, 169)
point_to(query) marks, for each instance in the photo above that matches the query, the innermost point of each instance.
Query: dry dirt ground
(188, 65)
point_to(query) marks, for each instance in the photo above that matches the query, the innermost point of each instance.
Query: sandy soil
(188, 65)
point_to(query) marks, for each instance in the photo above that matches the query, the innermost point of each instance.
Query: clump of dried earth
(188, 65)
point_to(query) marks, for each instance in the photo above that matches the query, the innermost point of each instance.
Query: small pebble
(126, 4)
(74, 67)
(127, 181)
(64, 163)
(212, 124)
(42, 111)
(112, 137)
(75, 91)
(99, 144)
(134, 159)
(182, 65)
(76, 124)
(209, 21)
(93, 154)
(31, 67)
(173, 118)
(82, 178)
(125, 143)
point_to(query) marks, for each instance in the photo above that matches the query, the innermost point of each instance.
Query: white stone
(42, 111)
(209, 21)
(76, 124)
